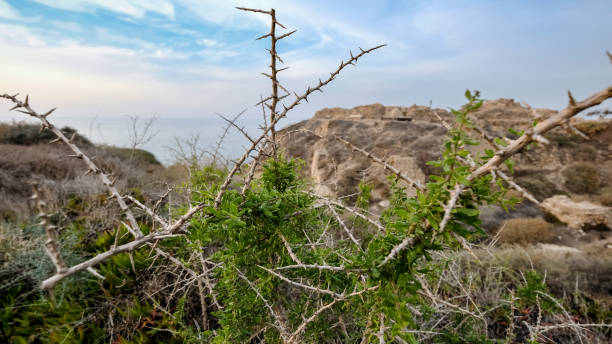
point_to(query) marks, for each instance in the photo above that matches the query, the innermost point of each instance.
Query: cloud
(132, 8)
(209, 42)
(6, 11)
(67, 26)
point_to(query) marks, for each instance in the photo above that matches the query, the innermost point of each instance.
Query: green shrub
(132, 155)
(23, 133)
(581, 178)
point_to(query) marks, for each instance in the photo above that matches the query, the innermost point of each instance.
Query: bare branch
(277, 319)
(349, 209)
(291, 254)
(386, 165)
(517, 145)
(51, 245)
(343, 225)
(134, 228)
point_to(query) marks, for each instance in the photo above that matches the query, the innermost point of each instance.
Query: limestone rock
(579, 215)
(409, 136)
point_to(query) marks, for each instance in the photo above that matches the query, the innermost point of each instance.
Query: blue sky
(192, 58)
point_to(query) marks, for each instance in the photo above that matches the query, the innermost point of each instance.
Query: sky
(195, 58)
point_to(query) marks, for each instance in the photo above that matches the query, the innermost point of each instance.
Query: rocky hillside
(26, 156)
(577, 164)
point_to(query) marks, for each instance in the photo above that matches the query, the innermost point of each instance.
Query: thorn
(609, 55)
(351, 52)
(26, 112)
(572, 101)
(541, 139)
(286, 35)
(49, 112)
(262, 37)
(26, 100)
(72, 137)
(282, 69)
(54, 140)
(15, 107)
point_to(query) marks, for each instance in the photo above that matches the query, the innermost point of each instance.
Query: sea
(165, 131)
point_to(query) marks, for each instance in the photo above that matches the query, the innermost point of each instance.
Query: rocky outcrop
(579, 215)
(408, 137)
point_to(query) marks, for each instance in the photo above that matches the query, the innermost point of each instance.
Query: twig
(279, 322)
(51, 245)
(385, 164)
(343, 225)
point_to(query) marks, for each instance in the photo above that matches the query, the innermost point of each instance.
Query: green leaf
(501, 142)
(471, 212)
(516, 132)
(510, 165)
(468, 94)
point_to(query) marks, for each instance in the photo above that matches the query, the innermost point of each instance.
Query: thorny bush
(271, 262)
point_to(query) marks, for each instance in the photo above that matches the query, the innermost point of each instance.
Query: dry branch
(385, 164)
(51, 245)
(517, 145)
(133, 227)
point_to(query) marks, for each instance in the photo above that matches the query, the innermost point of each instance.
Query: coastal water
(166, 130)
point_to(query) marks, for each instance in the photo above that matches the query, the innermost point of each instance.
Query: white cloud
(6, 11)
(133, 8)
(209, 42)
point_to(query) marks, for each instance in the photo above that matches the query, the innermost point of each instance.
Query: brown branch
(296, 102)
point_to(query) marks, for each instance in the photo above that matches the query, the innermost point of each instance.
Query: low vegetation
(247, 253)
(524, 231)
(582, 178)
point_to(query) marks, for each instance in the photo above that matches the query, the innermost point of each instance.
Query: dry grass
(582, 178)
(524, 231)
(538, 185)
(593, 127)
(567, 270)
(605, 196)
